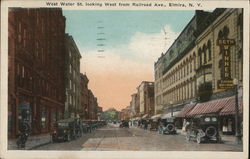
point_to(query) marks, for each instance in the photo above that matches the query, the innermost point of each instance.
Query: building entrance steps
(32, 142)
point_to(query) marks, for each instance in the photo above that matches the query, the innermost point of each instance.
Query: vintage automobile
(66, 130)
(86, 127)
(154, 124)
(124, 124)
(166, 126)
(203, 129)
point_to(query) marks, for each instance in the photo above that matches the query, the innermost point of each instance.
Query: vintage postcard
(124, 79)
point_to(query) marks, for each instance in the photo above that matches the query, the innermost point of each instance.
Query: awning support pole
(237, 130)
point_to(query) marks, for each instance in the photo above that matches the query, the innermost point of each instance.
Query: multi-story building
(125, 113)
(99, 112)
(92, 107)
(72, 83)
(84, 96)
(36, 68)
(207, 52)
(146, 101)
(133, 105)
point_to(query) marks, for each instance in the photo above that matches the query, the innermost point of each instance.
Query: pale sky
(119, 48)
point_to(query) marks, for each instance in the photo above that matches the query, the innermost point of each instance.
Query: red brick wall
(36, 74)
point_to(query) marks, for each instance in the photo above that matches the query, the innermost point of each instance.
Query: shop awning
(169, 115)
(185, 110)
(156, 116)
(145, 116)
(229, 109)
(214, 106)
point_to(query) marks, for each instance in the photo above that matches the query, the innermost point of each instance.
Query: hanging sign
(226, 81)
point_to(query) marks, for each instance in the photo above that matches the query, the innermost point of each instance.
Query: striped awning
(145, 116)
(169, 115)
(229, 109)
(156, 116)
(185, 110)
(214, 106)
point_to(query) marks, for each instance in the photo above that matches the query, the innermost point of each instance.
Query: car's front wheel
(188, 137)
(198, 139)
(68, 137)
(53, 139)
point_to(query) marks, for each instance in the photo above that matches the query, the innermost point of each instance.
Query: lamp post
(237, 130)
(171, 103)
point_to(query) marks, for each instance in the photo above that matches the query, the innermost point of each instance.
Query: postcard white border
(206, 5)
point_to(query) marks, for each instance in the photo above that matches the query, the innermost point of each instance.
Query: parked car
(66, 129)
(85, 127)
(124, 124)
(154, 124)
(166, 126)
(203, 129)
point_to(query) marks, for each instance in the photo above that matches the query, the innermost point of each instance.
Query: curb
(46, 143)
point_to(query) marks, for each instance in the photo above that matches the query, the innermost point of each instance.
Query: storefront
(223, 107)
(227, 117)
(180, 117)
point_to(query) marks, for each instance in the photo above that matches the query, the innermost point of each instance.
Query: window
(18, 69)
(207, 119)
(214, 119)
(70, 99)
(70, 68)
(204, 49)
(199, 57)
(19, 27)
(19, 38)
(209, 50)
(70, 84)
(23, 72)
(37, 46)
(69, 53)
(43, 117)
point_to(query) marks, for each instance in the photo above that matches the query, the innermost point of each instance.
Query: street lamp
(237, 130)
(171, 103)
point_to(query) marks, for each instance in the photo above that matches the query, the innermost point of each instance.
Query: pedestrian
(145, 125)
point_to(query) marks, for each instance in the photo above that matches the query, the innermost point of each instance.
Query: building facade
(35, 72)
(133, 105)
(92, 107)
(146, 97)
(207, 52)
(99, 112)
(84, 97)
(125, 113)
(72, 77)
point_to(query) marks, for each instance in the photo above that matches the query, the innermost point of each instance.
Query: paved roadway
(111, 137)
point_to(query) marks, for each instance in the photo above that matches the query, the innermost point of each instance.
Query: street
(113, 138)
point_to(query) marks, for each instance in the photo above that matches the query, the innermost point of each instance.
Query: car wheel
(68, 137)
(218, 139)
(53, 140)
(198, 139)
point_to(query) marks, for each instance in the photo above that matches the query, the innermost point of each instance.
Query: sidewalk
(32, 142)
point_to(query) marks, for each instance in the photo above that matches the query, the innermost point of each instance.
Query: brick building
(125, 113)
(84, 97)
(36, 90)
(208, 52)
(99, 112)
(146, 98)
(92, 107)
(195, 58)
(72, 78)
